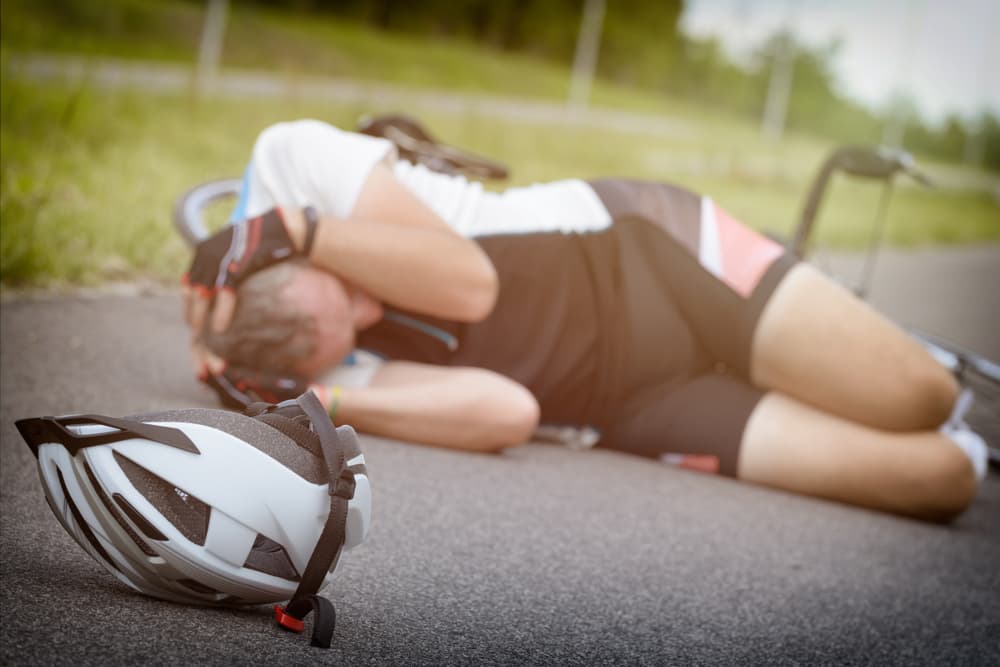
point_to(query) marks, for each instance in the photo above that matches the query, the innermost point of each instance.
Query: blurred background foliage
(642, 46)
(89, 174)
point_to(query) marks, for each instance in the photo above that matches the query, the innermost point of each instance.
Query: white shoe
(970, 442)
(974, 447)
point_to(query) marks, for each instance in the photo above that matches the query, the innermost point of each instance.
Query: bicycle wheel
(190, 207)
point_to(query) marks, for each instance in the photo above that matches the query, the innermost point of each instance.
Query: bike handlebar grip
(868, 162)
(879, 162)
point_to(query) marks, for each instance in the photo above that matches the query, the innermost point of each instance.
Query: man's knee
(944, 486)
(928, 392)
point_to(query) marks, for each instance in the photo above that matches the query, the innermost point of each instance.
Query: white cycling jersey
(309, 162)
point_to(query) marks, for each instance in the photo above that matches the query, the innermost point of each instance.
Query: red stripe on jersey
(746, 254)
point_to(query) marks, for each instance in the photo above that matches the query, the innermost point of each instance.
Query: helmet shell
(236, 522)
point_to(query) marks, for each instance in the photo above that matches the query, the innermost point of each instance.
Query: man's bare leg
(792, 446)
(817, 342)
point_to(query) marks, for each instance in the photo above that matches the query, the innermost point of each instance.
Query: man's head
(294, 318)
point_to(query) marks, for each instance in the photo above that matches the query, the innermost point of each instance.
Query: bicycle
(972, 370)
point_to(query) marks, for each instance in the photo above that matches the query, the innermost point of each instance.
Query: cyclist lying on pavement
(640, 309)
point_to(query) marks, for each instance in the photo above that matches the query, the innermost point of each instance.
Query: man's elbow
(481, 296)
(514, 421)
(522, 417)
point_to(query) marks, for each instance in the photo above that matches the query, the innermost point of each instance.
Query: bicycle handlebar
(876, 163)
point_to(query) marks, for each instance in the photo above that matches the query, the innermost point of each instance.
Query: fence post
(779, 87)
(894, 131)
(588, 44)
(212, 37)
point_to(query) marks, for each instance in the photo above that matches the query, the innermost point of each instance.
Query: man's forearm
(472, 409)
(427, 270)
(432, 271)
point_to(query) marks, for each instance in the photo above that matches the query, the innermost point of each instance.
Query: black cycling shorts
(696, 281)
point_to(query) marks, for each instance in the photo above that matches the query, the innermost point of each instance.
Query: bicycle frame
(880, 164)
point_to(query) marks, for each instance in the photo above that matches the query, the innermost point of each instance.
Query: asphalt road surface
(540, 555)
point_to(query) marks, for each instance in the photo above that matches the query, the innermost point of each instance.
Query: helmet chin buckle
(324, 617)
(288, 621)
(345, 485)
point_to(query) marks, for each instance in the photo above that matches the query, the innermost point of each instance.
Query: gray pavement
(540, 555)
(950, 293)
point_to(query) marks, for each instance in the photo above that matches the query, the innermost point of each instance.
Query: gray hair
(268, 332)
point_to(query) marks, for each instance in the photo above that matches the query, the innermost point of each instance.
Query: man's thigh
(679, 306)
(705, 415)
(819, 343)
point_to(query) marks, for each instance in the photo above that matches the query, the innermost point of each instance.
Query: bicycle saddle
(416, 144)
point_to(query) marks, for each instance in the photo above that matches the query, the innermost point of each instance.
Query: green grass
(88, 177)
(299, 45)
(257, 38)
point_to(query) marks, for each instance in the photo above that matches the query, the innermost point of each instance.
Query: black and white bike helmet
(211, 507)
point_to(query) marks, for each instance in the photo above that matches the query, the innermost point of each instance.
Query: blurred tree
(902, 112)
(990, 129)
(946, 141)
(708, 76)
(641, 42)
(642, 45)
(816, 103)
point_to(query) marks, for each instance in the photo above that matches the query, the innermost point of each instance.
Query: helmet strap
(331, 540)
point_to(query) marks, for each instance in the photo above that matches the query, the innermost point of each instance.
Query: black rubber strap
(331, 540)
(324, 617)
(229, 395)
(327, 549)
(38, 431)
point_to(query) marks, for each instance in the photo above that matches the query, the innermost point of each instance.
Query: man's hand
(237, 387)
(227, 257)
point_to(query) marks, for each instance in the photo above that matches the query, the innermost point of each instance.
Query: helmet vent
(197, 586)
(148, 529)
(114, 513)
(269, 557)
(187, 514)
(84, 528)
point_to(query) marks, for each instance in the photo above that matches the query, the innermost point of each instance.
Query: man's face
(338, 309)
